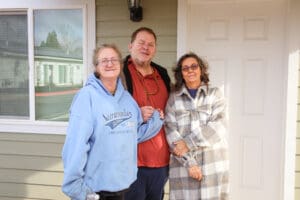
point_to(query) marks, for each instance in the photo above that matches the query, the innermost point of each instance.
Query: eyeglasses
(186, 68)
(105, 61)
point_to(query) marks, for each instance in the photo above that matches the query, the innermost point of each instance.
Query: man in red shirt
(149, 85)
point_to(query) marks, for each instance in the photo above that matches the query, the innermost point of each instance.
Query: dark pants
(112, 195)
(149, 184)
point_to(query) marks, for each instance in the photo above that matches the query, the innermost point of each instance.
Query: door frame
(291, 81)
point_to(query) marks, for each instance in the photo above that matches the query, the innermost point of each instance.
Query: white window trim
(89, 27)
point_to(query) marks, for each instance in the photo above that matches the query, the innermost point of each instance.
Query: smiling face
(109, 64)
(143, 48)
(191, 73)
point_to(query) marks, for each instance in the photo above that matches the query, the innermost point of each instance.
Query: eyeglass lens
(105, 61)
(192, 67)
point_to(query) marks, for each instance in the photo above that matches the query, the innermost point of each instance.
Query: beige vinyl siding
(30, 166)
(113, 25)
(297, 172)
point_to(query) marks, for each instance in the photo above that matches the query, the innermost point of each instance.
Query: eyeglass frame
(193, 67)
(106, 61)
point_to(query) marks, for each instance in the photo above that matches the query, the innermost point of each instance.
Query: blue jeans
(149, 184)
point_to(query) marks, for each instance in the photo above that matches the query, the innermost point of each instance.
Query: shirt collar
(184, 90)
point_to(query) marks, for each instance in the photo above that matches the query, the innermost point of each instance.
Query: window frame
(89, 40)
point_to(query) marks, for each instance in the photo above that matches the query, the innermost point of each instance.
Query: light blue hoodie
(100, 150)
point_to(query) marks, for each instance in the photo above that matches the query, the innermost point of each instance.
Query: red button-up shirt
(150, 90)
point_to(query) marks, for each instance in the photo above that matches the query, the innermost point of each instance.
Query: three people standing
(101, 155)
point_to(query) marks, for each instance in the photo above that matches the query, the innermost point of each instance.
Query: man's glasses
(186, 68)
(105, 61)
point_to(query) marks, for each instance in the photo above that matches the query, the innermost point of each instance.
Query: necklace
(147, 92)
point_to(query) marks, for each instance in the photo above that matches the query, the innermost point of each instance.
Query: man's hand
(147, 112)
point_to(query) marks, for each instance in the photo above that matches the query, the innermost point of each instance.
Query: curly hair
(179, 81)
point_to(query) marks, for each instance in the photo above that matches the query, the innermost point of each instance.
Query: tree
(51, 41)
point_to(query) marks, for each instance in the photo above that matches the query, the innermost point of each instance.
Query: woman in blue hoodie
(105, 125)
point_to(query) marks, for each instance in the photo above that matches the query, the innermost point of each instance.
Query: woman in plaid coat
(195, 118)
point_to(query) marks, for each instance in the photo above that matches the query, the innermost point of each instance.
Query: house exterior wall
(30, 164)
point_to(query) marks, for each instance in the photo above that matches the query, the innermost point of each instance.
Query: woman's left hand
(180, 148)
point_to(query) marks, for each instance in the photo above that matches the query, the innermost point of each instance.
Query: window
(14, 85)
(57, 44)
(43, 62)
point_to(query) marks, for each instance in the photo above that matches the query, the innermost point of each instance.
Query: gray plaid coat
(200, 122)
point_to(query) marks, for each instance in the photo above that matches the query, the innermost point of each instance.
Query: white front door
(243, 42)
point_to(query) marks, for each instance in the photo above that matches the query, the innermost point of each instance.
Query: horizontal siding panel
(299, 93)
(30, 148)
(298, 147)
(299, 78)
(108, 12)
(32, 137)
(158, 2)
(13, 198)
(297, 177)
(297, 194)
(298, 129)
(121, 42)
(165, 43)
(297, 163)
(298, 109)
(109, 2)
(31, 163)
(123, 28)
(31, 191)
(31, 177)
(167, 60)
(167, 9)
(166, 197)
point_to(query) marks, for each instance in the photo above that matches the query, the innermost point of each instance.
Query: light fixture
(136, 10)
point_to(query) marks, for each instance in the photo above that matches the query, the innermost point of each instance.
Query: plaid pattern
(200, 122)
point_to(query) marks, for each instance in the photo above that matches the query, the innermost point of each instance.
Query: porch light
(135, 9)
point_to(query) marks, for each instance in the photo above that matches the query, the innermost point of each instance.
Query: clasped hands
(147, 112)
(180, 148)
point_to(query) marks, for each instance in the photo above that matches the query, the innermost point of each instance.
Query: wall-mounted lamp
(136, 10)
